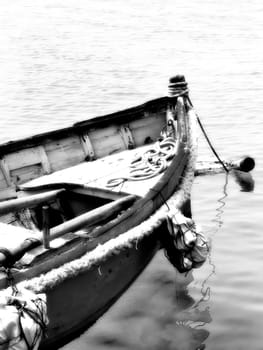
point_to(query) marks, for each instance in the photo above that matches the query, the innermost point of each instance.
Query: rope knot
(177, 86)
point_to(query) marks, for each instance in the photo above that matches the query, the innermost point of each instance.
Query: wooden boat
(83, 209)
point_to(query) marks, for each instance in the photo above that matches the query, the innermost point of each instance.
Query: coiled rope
(149, 164)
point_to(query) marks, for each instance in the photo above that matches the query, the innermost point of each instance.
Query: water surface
(64, 61)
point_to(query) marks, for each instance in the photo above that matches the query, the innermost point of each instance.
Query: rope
(36, 316)
(178, 88)
(151, 163)
(208, 140)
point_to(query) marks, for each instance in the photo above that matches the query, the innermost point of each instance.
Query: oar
(28, 201)
(8, 257)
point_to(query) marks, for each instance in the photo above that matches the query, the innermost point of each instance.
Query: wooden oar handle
(28, 201)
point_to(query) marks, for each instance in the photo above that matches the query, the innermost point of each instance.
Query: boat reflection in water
(186, 329)
(157, 312)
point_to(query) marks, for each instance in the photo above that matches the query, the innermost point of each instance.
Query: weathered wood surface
(96, 174)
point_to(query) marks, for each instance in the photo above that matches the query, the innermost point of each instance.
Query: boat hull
(74, 305)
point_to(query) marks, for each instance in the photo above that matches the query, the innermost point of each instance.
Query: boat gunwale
(104, 120)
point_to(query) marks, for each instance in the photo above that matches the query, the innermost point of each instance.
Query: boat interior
(50, 180)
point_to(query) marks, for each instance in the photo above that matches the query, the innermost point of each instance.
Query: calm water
(63, 61)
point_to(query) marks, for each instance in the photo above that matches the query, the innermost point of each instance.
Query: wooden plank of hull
(65, 152)
(77, 303)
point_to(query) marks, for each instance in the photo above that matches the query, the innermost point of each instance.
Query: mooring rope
(208, 140)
